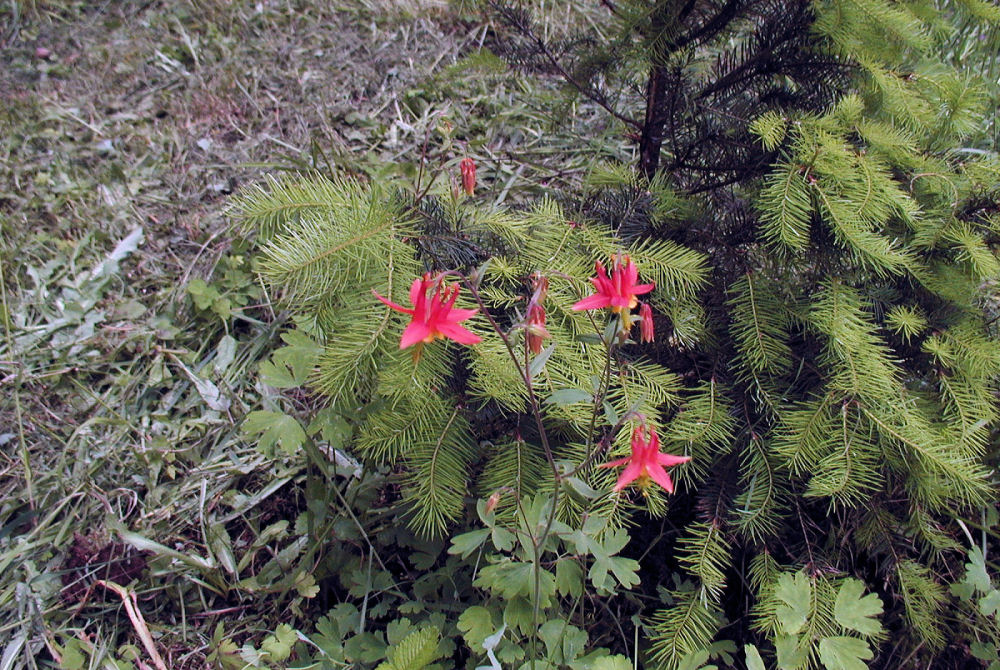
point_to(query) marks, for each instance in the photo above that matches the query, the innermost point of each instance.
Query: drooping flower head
(646, 463)
(435, 316)
(535, 318)
(468, 168)
(646, 322)
(618, 292)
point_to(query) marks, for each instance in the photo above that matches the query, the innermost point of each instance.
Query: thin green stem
(602, 392)
(538, 542)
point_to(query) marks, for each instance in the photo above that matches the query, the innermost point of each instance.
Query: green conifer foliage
(840, 297)
(821, 249)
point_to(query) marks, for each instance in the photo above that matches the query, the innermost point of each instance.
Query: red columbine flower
(646, 322)
(435, 317)
(468, 168)
(646, 462)
(617, 292)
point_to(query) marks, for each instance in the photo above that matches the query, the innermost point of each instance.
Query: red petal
(417, 290)
(458, 333)
(398, 308)
(669, 459)
(629, 475)
(596, 301)
(615, 463)
(642, 288)
(620, 301)
(660, 476)
(456, 315)
(415, 332)
(631, 273)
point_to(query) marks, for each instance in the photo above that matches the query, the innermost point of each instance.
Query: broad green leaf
(854, 612)
(306, 585)
(694, 660)
(466, 543)
(290, 366)
(274, 429)
(791, 654)
(844, 653)
(72, 657)
(795, 594)
(538, 364)
(581, 488)
(332, 427)
(278, 645)
(563, 642)
(569, 577)
(754, 661)
(990, 603)
(610, 415)
(976, 574)
(365, 648)
(616, 662)
(569, 397)
(984, 651)
(476, 624)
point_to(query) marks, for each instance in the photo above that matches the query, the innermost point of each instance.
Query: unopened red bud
(468, 168)
(493, 501)
(646, 322)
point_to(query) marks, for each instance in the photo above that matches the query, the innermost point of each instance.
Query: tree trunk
(652, 128)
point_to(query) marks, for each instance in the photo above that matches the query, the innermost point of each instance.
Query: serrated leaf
(976, 574)
(563, 642)
(844, 653)
(416, 650)
(854, 612)
(791, 654)
(274, 429)
(466, 543)
(290, 366)
(990, 603)
(569, 577)
(306, 585)
(278, 645)
(476, 624)
(795, 594)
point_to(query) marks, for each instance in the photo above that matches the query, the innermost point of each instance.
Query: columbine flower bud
(646, 322)
(468, 168)
(535, 328)
(536, 331)
(493, 501)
